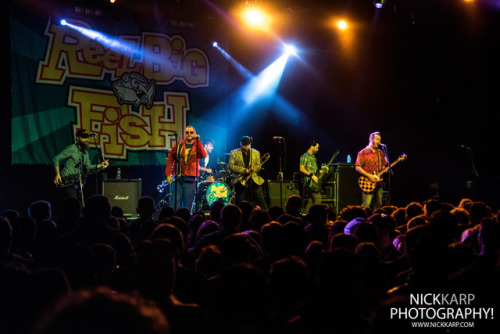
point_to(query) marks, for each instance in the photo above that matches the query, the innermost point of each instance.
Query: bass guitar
(316, 186)
(368, 186)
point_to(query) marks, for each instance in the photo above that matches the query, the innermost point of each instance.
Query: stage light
(290, 50)
(253, 16)
(378, 3)
(63, 22)
(215, 44)
(342, 24)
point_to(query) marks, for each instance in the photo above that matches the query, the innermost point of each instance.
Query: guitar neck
(390, 166)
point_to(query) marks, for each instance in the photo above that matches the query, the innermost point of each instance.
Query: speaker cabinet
(288, 188)
(124, 193)
(347, 191)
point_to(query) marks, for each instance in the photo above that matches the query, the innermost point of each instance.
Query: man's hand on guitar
(58, 180)
(373, 178)
(103, 164)
(170, 179)
(314, 178)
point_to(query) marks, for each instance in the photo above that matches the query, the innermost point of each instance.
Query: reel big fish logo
(134, 89)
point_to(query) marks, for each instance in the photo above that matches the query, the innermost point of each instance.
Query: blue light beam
(237, 66)
(113, 43)
(265, 84)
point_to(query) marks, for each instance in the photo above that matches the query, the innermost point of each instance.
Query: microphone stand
(389, 173)
(280, 174)
(80, 178)
(195, 202)
(177, 162)
(99, 159)
(475, 174)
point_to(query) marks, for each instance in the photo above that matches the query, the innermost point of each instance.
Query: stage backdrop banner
(134, 83)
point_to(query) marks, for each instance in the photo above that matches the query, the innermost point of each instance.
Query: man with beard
(76, 165)
(370, 161)
(183, 163)
(246, 162)
(309, 167)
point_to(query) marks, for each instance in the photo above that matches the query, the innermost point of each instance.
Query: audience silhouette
(240, 269)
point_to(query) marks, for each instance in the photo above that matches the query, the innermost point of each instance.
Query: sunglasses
(189, 132)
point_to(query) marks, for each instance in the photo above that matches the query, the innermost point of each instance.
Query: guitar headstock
(402, 157)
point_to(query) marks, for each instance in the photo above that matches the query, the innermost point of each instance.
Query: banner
(135, 86)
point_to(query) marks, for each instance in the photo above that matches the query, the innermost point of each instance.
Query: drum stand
(165, 191)
(165, 201)
(198, 199)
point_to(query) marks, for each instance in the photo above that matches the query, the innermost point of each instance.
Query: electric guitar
(316, 186)
(368, 186)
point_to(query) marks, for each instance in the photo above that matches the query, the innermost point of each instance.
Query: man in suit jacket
(243, 161)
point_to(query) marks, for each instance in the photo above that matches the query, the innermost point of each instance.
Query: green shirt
(309, 162)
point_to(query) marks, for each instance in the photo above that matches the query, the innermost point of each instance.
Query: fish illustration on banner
(133, 88)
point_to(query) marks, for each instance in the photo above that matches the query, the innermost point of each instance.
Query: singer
(370, 161)
(76, 165)
(182, 168)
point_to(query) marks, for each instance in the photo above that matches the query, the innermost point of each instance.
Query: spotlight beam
(110, 42)
(237, 66)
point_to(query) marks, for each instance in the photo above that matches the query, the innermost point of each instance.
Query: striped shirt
(72, 158)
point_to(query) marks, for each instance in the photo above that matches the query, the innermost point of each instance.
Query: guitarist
(369, 160)
(245, 161)
(309, 167)
(76, 164)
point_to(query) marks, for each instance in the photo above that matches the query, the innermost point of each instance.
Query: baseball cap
(245, 140)
(83, 133)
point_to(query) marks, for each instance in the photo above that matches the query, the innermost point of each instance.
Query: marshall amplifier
(124, 193)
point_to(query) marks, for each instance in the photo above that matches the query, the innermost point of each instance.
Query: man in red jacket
(183, 168)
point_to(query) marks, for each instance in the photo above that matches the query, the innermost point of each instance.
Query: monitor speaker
(347, 191)
(123, 193)
(288, 188)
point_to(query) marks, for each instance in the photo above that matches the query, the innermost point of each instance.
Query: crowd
(240, 269)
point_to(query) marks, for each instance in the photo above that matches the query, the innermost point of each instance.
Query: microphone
(197, 137)
(382, 144)
(93, 134)
(277, 138)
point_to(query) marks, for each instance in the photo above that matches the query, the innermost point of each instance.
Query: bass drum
(218, 191)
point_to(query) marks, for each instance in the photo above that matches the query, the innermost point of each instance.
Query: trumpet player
(244, 164)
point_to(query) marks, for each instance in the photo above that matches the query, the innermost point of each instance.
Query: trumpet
(245, 177)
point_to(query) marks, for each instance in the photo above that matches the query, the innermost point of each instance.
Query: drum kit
(214, 187)
(210, 188)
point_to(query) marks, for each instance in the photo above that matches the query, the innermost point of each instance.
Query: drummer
(207, 164)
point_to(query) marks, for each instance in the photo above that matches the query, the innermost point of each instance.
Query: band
(195, 178)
